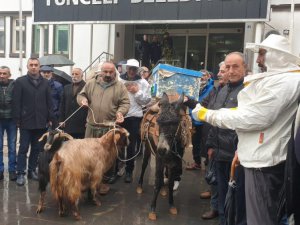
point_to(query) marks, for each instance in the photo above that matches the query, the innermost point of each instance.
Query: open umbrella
(62, 77)
(230, 207)
(55, 60)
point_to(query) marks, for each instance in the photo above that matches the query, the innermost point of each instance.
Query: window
(61, 39)
(36, 39)
(2, 35)
(16, 29)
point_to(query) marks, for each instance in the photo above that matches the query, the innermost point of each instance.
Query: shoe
(104, 189)
(1, 176)
(20, 180)
(176, 185)
(128, 177)
(32, 175)
(205, 195)
(210, 215)
(12, 176)
(112, 179)
(193, 166)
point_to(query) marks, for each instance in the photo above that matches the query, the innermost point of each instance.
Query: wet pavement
(121, 206)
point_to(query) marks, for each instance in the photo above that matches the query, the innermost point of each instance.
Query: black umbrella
(230, 207)
(62, 77)
(55, 60)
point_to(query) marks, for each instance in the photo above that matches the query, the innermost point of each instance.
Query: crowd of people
(247, 117)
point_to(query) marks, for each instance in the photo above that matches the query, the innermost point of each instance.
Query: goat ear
(164, 99)
(45, 135)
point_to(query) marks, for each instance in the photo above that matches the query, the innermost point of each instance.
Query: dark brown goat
(80, 165)
(55, 139)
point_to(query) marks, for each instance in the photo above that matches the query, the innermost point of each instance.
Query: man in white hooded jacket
(263, 121)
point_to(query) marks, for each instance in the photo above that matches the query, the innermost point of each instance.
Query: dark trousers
(262, 194)
(223, 174)
(132, 125)
(196, 141)
(29, 137)
(8, 126)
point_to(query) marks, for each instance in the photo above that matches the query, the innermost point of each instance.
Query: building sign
(145, 11)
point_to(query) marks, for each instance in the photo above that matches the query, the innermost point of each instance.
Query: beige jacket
(104, 101)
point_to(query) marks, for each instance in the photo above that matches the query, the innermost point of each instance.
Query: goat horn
(44, 135)
(68, 136)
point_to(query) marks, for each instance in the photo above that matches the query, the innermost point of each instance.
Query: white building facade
(197, 45)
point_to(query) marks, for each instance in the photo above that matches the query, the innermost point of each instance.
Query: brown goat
(80, 165)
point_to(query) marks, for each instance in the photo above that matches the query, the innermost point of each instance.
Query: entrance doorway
(197, 46)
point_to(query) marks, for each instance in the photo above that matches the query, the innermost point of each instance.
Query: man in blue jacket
(207, 85)
(56, 88)
(33, 113)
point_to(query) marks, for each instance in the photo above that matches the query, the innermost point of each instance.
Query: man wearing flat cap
(56, 88)
(263, 122)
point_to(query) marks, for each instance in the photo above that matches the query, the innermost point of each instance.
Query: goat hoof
(139, 190)
(39, 209)
(152, 216)
(163, 192)
(173, 210)
(61, 213)
(97, 202)
(77, 216)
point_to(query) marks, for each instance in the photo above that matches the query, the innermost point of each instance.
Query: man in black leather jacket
(222, 143)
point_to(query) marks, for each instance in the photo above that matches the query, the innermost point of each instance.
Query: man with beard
(75, 126)
(108, 101)
(7, 123)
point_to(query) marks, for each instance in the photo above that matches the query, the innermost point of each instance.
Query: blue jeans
(10, 127)
(29, 137)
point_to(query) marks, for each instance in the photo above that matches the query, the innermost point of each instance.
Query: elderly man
(56, 88)
(139, 95)
(263, 120)
(7, 124)
(75, 126)
(33, 113)
(108, 101)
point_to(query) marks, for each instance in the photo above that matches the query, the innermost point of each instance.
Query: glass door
(195, 58)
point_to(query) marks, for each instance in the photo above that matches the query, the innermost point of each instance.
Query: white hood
(279, 58)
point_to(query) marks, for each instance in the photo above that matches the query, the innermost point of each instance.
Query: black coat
(224, 141)
(32, 104)
(76, 124)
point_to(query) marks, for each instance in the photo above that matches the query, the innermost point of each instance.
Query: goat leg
(95, 197)
(41, 206)
(61, 207)
(76, 213)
